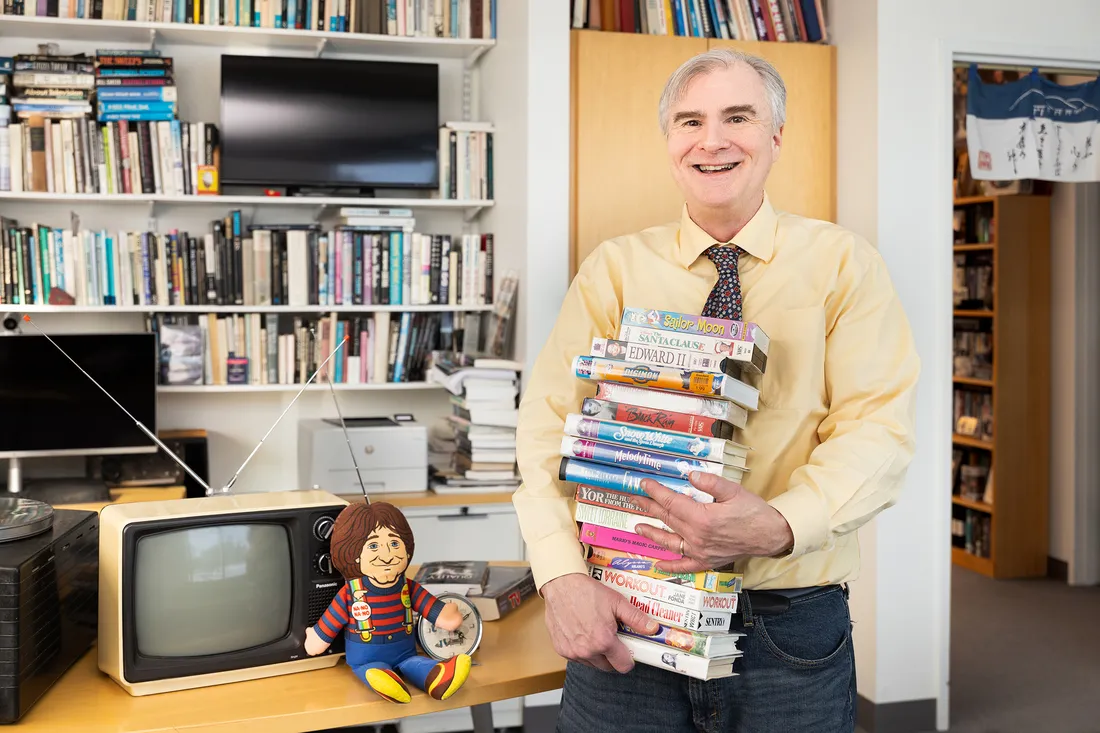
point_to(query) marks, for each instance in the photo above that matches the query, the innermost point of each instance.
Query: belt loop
(746, 610)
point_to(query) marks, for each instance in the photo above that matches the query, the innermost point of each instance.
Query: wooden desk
(515, 659)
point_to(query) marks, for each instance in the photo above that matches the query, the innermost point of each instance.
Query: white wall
(853, 26)
(915, 42)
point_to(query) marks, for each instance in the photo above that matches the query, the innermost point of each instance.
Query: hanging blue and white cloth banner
(1032, 128)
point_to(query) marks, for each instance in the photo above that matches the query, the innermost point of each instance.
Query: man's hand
(738, 524)
(450, 618)
(314, 644)
(581, 616)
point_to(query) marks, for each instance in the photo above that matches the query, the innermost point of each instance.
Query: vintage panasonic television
(209, 590)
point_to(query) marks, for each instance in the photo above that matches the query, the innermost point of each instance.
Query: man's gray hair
(716, 60)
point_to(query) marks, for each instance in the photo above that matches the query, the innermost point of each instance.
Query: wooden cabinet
(1001, 385)
(620, 175)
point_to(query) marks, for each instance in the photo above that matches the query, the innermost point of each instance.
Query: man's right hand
(581, 616)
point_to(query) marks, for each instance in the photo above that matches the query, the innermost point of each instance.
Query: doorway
(1024, 498)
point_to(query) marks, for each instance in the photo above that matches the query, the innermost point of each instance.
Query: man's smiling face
(721, 140)
(384, 557)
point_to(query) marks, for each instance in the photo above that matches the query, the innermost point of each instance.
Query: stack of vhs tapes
(668, 402)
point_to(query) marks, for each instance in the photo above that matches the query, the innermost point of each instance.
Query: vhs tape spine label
(636, 353)
(676, 401)
(681, 422)
(613, 518)
(606, 498)
(663, 590)
(643, 460)
(696, 325)
(617, 539)
(664, 441)
(619, 479)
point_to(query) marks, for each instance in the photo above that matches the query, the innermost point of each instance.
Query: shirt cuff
(801, 507)
(434, 610)
(554, 556)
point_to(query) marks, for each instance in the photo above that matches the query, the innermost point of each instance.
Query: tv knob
(322, 528)
(324, 563)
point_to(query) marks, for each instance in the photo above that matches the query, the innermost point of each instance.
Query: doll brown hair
(355, 524)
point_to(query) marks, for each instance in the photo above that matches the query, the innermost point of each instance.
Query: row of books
(169, 157)
(742, 20)
(971, 531)
(234, 264)
(972, 412)
(426, 18)
(115, 84)
(273, 348)
(973, 348)
(972, 474)
(466, 160)
(669, 398)
(973, 280)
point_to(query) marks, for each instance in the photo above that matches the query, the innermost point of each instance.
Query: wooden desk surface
(515, 659)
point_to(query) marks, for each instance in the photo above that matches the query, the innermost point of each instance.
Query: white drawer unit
(465, 532)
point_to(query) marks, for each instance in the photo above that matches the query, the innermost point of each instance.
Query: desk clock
(442, 644)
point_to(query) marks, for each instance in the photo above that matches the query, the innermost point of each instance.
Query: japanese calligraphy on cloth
(1032, 128)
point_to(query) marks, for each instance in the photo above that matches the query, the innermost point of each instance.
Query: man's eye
(373, 546)
(737, 119)
(394, 544)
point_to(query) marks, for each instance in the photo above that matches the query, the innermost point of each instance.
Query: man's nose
(714, 138)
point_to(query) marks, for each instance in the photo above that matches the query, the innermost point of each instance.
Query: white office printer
(392, 453)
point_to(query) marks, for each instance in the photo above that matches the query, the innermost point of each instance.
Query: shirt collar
(757, 237)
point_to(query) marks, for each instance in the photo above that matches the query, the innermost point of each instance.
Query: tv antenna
(229, 485)
(347, 438)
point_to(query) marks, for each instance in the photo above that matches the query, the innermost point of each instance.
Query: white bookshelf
(471, 207)
(78, 309)
(293, 388)
(141, 34)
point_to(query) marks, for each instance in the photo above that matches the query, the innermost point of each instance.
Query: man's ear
(777, 142)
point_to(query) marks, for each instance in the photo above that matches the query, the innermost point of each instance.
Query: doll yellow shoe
(387, 684)
(445, 678)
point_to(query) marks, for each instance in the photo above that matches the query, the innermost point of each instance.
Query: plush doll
(372, 545)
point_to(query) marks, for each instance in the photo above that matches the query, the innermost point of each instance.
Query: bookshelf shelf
(146, 34)
(972, 442)
(250, 308)
(249, 388)
(973, 382)
(980, 506)
(1004, 534)
(470, 206)
(967, 560)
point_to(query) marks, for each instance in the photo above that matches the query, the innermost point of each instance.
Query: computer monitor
(49, 408)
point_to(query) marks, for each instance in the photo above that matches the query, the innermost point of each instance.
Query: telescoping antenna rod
(309, 381)
(137, 422)
(347, 438)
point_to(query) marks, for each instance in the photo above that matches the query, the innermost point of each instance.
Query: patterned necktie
(724, 300)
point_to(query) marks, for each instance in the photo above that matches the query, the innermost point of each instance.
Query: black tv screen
(49, 405)
(329, 122)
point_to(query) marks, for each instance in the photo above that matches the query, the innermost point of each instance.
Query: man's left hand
(736, 525)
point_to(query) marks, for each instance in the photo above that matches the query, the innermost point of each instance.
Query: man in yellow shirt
(831, 440)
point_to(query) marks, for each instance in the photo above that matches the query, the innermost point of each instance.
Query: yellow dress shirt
(833, 436)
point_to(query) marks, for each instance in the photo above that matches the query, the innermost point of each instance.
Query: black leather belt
(770, 603)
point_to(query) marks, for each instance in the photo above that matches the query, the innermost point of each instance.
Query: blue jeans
(399, 656)
(797, 675)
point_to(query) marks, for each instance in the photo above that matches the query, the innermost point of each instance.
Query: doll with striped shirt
(372, 545)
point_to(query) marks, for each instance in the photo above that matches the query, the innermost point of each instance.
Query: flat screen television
(51, 409)
(215, 589)
(327, 123)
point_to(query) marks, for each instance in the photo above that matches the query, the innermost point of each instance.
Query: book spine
(619, 479)
(643, 460)
(636, 353)
(658, 655)
(659, 419)
(664, 441)
(616, 539)
(707, 384)
(612, 517)
(696, 325)
(708, 580)
(678, 616)
(605, 498)
(692, 642)
(676, 401)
